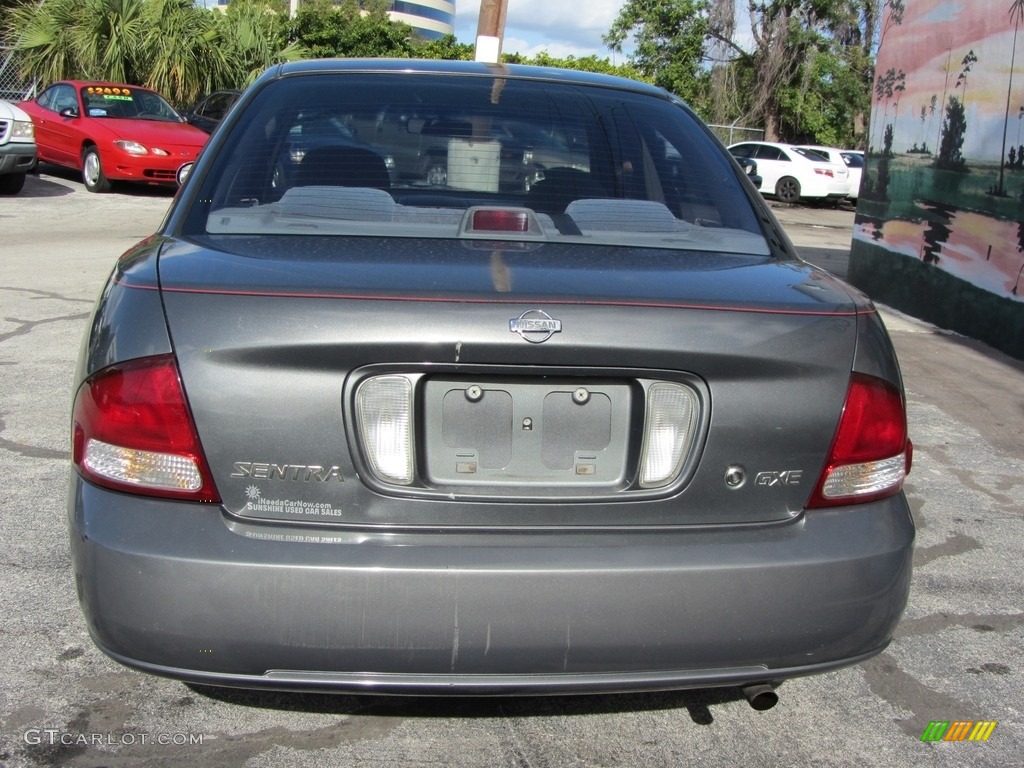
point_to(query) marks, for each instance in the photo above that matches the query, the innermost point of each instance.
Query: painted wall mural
(939, 231)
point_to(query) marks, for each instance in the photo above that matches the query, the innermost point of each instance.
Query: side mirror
(69, 112)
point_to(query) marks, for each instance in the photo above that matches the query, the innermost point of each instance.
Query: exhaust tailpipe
(760, 696)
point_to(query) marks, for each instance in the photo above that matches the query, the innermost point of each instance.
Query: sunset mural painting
(939, 231)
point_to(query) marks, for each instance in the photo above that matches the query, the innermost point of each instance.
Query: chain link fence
(12, 86)
(731, 134)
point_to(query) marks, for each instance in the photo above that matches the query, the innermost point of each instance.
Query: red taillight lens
(501, 221)
(870, 454)
(133, 431)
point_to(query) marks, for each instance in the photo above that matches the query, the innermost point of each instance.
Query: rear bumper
(824, 189)
(185, 591)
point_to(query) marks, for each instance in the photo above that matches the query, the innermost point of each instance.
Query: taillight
(669, 429)
(499, 220)
(488, 221)
(871, 453)
(384, 414)
(133, 432)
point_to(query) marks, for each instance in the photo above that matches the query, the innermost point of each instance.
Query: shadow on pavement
(698, 703)
(57, 181)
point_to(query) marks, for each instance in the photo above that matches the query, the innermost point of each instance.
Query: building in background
(431, 18)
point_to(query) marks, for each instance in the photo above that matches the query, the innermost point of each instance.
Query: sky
(560, 27)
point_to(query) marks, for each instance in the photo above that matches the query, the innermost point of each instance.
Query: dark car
(318, 133)
(374, 435)
(750, 168)
(207, 113)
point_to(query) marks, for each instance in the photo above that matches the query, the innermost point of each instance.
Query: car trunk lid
(275, 336)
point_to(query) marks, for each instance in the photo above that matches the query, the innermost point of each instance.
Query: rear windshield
(426, 155)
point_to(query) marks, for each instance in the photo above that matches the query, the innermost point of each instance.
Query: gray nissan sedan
(344, 427)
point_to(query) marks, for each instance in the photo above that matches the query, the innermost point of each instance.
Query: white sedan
(852, 159)
(794, 173)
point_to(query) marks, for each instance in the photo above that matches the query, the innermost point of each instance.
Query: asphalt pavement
(958, 654)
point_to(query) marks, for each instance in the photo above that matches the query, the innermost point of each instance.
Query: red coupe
(112, 132)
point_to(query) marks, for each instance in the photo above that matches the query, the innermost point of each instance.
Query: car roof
(435, 66)
(102, 84)
(779, 144)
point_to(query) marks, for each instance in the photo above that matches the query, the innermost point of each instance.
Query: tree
(933, 104)
(669, 38)
(179, 54)
(10, 4)
(950, 157)
(825, 105)
(446, 48)
(253, 36)
(350, 28)
(173, 46)
(1017, 15)
(965, 67)
(894, 18)
(805, 53)
(584, 64)
(60, 39)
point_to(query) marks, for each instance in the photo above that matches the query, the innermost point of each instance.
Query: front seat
(340, 166)
(559, 187)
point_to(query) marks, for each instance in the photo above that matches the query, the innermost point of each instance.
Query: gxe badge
(535, 325)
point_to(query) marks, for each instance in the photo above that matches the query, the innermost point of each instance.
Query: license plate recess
(535, 433)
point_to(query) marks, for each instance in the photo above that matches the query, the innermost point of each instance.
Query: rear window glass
(811, 154)
(853, 160)
(426, 155)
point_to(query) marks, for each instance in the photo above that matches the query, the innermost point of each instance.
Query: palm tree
(173, 46)
(945, 92)
(182, 58)
(94, 39)
(899, 86)
(895, 18)
(884, 90)
(933, 104)
(965, 67)
(1016, 15)
(60, 39)
(254, 38)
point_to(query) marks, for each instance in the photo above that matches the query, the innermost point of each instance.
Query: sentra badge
(302, 473)
(535, 325)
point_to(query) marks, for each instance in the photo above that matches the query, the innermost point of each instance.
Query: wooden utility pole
(490, 30)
